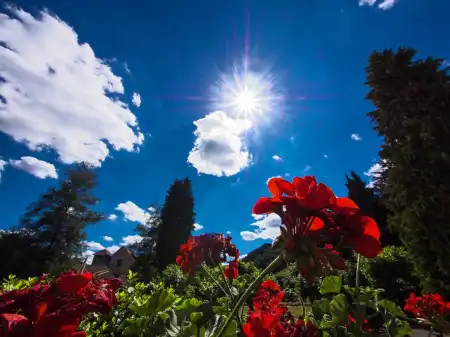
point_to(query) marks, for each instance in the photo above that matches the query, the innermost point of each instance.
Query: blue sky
(309, 56)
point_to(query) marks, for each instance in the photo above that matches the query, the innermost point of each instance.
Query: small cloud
(292, 138)
(112, 217)
(151, 209)
(325, 156)
(384, 4)
(2, 167)
(131, 239)
(287, 174)
(243, 256)
(356, 137)
(228, 232)
(197, 227)
(277, 157)
(133, 212)
(307, 168)
(108, 238)
(38, 168)
(136, 100)
(268, 227)
(92, 245)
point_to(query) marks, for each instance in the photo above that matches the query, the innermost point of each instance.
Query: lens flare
(247, 93)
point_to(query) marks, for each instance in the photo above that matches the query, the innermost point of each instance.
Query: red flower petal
(370, 227)
(302, 185)
(14, 325)
(345, 205)
(72, 282)
(279, 186)
(267, 205)
(367, 246)
(317, 225)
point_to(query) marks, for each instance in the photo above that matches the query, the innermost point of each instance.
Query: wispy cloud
(2, 167)
(356, 137)
(374, 172)
(325, 156)
(38, 168)
(60, 100)
(277, 157)
(383, 4)
(307, 168)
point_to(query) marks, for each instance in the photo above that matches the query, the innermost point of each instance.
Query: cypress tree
(177, 222)
(59, 218)
(412, 103)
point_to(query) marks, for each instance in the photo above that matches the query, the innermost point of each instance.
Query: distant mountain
(263, 255)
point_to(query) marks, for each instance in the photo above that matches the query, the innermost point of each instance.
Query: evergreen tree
(177, 222)
(412, 103)
(371, 205)
(59, 218)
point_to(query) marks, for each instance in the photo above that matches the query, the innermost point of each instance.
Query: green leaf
(338, 309)
(320, 308)
(331, 284)
(214, 325)
(391, 308)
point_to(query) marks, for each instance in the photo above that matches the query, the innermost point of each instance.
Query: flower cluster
(270, 318)
(431, 307)
(55, 309)
(211, 249)
(312, 217)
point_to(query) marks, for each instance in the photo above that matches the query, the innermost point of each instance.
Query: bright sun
(246, 93)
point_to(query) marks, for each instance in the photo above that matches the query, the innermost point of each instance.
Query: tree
(177, 222)
(144, 250)
(412, 103)
(370, 203)
(59, 218)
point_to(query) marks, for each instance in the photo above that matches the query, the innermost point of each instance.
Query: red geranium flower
(71, 282)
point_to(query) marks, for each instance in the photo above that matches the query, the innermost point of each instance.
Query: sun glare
(246, 93)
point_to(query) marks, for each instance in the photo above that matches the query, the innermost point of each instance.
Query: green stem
(357, 270)
(247, 292)
(214, 280)
(222, 271)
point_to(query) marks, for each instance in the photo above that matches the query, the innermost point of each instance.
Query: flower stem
(214, 280)
(247, 292)
(357, 270)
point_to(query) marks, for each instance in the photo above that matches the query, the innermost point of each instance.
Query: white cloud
(130, 239)
(89, 254)
(2, 167)
(220, 148)
(112, 217)
(228, 232)
(325, 156)
(384, 4)
(58, 97)
(92, 245)
(374, 172)
(243, 256)
(287, 174)
(151, 209)
(268, 227)
(38, 168)
(132, 212)
(355, 136)
(277, 157)
(136, 100)
(292, 138)
(197, 227)
(112, 249)
(307, 168)
(127, 69)
(108, 238)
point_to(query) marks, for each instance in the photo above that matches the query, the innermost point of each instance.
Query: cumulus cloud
(131, 239)
(277, 157)
(197, 227)
(59, 97)
(38, 168)
(2, 167)
(355, 136)
(89, 254)
(383, 4)
(112, 249)
(107, 238)
(220, 148)
(92, 245)
(374, 172)
(136, 100)
(267, 227)
(133, 212)
(112, 217)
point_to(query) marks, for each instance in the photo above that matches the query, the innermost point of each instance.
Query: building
(116, 265)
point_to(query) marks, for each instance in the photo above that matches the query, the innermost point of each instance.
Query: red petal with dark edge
(279, 186)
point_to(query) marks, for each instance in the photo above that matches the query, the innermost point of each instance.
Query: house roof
(103, 252)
